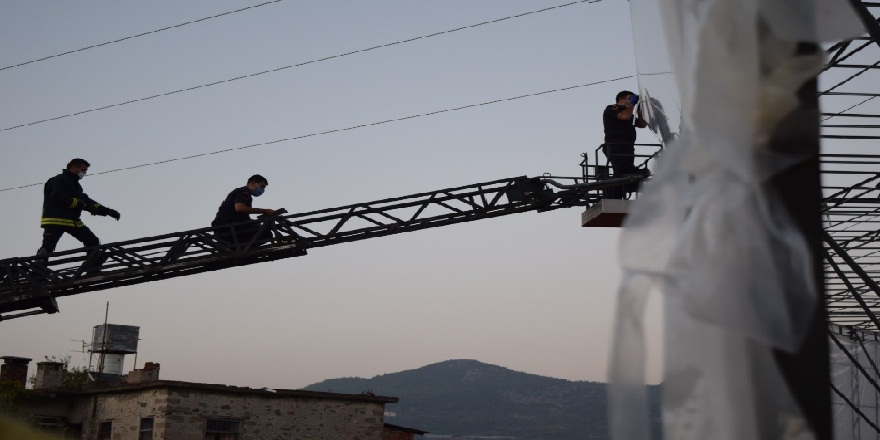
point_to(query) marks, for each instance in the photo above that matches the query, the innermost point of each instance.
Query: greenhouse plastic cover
(707, 233)
(855, 403)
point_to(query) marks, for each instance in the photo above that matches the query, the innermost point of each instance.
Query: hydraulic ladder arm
(29, 285)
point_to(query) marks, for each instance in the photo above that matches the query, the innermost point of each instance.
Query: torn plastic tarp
(708, 232)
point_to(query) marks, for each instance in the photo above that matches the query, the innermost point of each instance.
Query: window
(222, 429)
(146, 432)
(104, 430)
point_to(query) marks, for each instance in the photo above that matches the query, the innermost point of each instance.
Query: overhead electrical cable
(836, 48)
(227, 150)
(850, 78)
(843, 112)
(299, 64)
(138, 35)
(836, 61)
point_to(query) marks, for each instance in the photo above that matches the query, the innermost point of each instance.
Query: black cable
(854, 361)
(138, 35)
(841, 113)
(340, 129)
(851, 77)
(871, 94)
(871, 24)
(867, 19)
(835, 62)
(850, 125)
(855, 408)
(301, 64)
(852, 115)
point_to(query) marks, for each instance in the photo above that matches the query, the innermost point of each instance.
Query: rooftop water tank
(115, 339)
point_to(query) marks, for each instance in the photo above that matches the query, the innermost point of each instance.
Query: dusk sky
(530, 292)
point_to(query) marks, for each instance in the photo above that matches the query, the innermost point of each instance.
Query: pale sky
(531, 292)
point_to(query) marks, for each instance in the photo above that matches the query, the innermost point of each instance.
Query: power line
(300, 64)
(836, 63)
(850, 78)
(842, 112)
(138, 35)
(227, 150)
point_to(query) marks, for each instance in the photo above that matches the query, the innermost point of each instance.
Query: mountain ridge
(467, 398)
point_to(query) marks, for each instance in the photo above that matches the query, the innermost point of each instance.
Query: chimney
(49, 375)
(150, 373)
(14, 369)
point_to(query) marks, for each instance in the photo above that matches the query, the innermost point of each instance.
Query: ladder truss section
(29, 285)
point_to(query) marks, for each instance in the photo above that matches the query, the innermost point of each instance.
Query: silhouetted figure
(237, 208)
(620, 138)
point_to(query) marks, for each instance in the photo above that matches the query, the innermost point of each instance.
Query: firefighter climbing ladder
(30, 286)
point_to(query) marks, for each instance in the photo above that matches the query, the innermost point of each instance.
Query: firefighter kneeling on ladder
(237, 208)
(620, 138)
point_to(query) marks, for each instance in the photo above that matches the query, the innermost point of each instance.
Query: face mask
(258, 191)
(81, 174)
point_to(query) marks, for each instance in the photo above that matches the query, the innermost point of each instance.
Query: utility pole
(807, 372)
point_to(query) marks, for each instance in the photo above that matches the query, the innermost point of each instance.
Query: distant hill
(466, 398)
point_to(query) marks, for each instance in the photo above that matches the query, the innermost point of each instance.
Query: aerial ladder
(30, 285)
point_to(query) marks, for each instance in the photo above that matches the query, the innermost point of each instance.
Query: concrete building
(144, 407)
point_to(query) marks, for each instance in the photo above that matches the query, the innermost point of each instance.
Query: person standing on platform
(620, 125)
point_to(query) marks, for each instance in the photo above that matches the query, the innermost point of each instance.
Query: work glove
(113, 213)
(634, 99)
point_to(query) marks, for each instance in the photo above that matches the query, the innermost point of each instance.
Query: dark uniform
(619, 148)
(620, 139)
(226, 215)
(63, 203)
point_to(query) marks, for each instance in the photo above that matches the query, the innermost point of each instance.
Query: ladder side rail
(190, 252)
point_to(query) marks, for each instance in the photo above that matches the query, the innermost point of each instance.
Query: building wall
(180, 414)
(125, 410)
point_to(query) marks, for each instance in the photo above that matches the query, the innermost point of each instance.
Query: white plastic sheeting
(854, 383)
(661, 104)
(708, 232)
